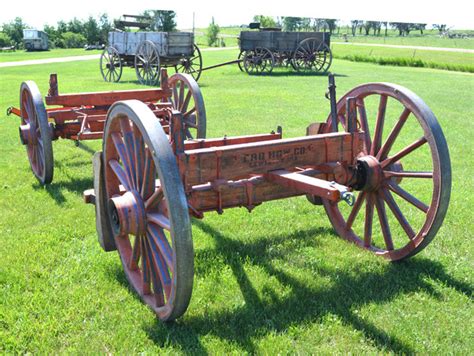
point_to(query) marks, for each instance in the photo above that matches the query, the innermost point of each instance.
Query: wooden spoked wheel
(111, 65)
(312, 55)
(192, 65)
(147, 209)
(403, 174)
(241, 58)
(147, 63)
(186, 97)
(35, 132)
(259, 61)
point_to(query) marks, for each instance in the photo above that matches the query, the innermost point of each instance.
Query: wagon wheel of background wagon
(191, 65)
(258, 61)
(111, 65)
(148, 209)
(147, 63)
(240, 63)
(312, 55)
(405, 166)
(186, 97)
(36, 133)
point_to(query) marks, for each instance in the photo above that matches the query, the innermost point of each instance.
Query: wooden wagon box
(169, 44)
(278, 40)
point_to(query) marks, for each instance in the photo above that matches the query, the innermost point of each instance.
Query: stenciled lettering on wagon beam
(260, 159)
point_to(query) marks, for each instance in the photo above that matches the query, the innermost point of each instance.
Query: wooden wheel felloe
(111, 65)
(192, 65)
(147, 63)
(186, 97)
(403, 175)
(259, 61)
(35, 132)
(241, 58)
(312, 55)
(148, 209)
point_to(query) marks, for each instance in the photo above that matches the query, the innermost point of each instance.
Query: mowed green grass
(21, 55)
(277, 280)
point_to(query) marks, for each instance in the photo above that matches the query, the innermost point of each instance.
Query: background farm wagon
(147, 52)
(261, 51)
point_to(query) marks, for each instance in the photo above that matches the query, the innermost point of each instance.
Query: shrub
(5, 40)
(73, 40)
(212, 34)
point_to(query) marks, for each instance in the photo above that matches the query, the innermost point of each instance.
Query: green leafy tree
(105, 27)
(331, 25)
(5, 40)
(162, 20)
(318, 24)
(91, 30)
(355, 25)
(291, 23)
(14, 30)
(75, 26)
(213, 33)
(265, 21)
(73, 40)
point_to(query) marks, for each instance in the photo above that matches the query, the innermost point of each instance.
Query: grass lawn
(21, 55)
(277, 280)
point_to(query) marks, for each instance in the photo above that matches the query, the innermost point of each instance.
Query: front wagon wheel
(148, 209)
(404, 173)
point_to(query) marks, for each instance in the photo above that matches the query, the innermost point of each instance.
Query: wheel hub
(369, 174)
(127, 214)
(28, 134)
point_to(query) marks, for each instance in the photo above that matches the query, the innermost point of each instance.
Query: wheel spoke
(120, 174)
(139, 157)
(189, 112)
(159, 267)
(155, 199)
(382, 154)
(379, 126)
(181, 96)
(387, 236)
(155, 268)
(407, 150)
(364, 124)
(175, 97)
(127, 134)
(133, 264)
(398, 214)
(159, 240)
(184, 107)
(148, 184)
(145, 268)
(123, 154)
(160, 220)
(355, 210)
(408, 197)
(369, 214)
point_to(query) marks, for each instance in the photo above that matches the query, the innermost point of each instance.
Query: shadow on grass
(304, 304)
(56, 189)
(292, 73)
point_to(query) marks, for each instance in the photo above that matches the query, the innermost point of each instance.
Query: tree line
(360, 27)
(76, 32)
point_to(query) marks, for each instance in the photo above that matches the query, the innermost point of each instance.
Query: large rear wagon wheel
(186, 97)
(36, 133)
(259, 61)
(404, 174)
(312, 56)
(148, 209)
(191, 65)
(147, 63)
(111, 65)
